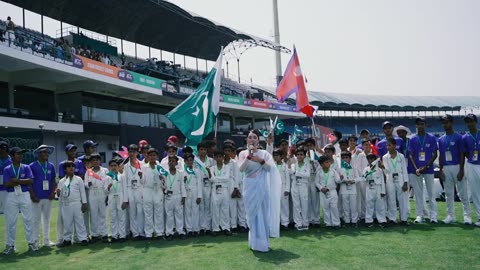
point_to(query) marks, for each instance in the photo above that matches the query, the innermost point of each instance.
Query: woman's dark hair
(256, 132)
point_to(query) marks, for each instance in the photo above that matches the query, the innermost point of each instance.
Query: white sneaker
(9, 250)
(467, 220)
(49, 243)
(449, 220)
(419, 219)
(477, 224)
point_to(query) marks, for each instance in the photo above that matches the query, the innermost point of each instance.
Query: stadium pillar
(41, 23)
(135, 50)
(184, 62)
(206, 66)
(238, 67)
(23, 17)
(161, 56)
(149, 52)
(228, 74)
(174, 59)
(196, 60)
(276, 27)
(61, 29)
(121, 45)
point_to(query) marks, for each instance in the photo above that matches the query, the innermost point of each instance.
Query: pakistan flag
(195, 116)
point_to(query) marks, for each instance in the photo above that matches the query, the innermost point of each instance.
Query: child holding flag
(327, 180)
(71, 192)
(348, 189)
(175, 195)
(95, 180)
(153, 182)
(194, 188)
(285, 174)
(373, 176)
(302, 171)
(117, 202)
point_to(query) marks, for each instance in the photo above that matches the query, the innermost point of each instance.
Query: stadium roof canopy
(154, 23)
(357, 102)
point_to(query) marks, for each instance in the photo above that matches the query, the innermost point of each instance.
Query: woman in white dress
(262, 189)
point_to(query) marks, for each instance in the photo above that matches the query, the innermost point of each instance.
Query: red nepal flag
(293, 82)
(123, 153)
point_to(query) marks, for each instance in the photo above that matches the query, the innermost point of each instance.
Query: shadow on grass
(276, 256)
(327, 233)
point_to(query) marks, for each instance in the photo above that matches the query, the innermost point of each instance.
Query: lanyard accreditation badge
(448, 153)
(46, 182)
(66, 189)
(17, 189)
(421, 154)
(475, 151)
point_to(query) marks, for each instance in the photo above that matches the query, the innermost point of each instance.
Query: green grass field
(421, 246)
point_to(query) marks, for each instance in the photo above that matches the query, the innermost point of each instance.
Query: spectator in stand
(122, 57)
(73, 51)
(10, 35)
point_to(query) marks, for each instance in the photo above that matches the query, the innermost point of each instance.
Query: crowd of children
(153, 195)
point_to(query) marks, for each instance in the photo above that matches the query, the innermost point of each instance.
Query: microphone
(250, 149)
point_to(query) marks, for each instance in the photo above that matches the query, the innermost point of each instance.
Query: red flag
(374, 149)
(293, 82)
(123, 153)
(331, 137)
(135, 164)
(93, 174)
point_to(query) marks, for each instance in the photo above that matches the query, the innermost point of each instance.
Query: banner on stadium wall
(283, 107)
(186, 90)
(257, 103)
(117, 73)
(147, 80)
(95, 67)
(232, 99)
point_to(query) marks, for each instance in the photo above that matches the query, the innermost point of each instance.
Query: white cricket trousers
(375, 204)
(192, 212)
(73, 221)
(361, 198)
(135, 211)
(117, 217)
(220, 209)
(98, 212)
(451, 181)
(41, 214)
(153, 206)
(420, 204)
(330, 208)
(15, 204)
(473, 177)
(313, 203)
(284, 210)
(300, 203)
(174, 212)
(205, 209)
(233, 211)
(349, 203)
(394, 193)
(60, 221)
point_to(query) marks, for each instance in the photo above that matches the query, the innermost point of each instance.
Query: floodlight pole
(238, 67)
(276, 27)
